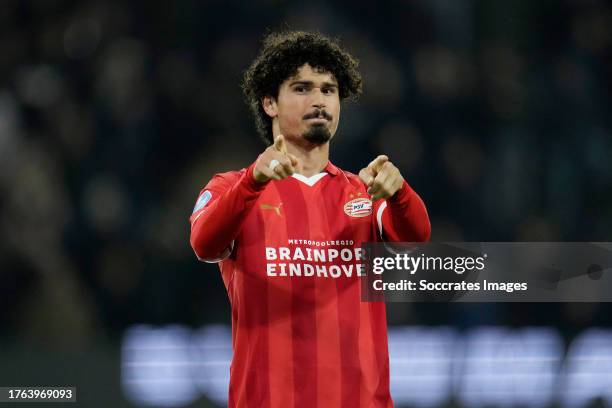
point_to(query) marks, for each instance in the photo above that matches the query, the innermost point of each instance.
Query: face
(307, 107)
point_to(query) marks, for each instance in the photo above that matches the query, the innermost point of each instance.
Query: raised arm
(221, 207)
(227, 199)
(402, 216)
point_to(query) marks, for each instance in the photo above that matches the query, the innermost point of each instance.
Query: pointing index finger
(279, 144)
(377, 163)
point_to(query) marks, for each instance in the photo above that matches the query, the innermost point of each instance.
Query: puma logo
(276, 208)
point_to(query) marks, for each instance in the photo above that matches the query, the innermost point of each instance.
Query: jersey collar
(331, 169)
(312, 180)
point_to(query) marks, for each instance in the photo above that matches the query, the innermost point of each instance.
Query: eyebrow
(310, 83)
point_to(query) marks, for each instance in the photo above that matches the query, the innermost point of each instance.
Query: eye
(300, 89)
(329, 91)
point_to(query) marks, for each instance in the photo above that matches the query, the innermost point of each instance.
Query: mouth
(318, 115)
(317, 120)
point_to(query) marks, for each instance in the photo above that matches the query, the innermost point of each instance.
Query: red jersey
(291, 265)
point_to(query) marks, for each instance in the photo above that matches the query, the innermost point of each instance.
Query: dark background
(113, 116)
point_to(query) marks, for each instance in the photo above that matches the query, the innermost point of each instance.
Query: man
(287, 232)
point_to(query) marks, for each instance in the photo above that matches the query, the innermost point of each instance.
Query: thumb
(294, 160)
(367, 176)
(279, 144)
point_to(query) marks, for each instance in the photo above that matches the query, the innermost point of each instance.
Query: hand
(382, 178)
(262, 171)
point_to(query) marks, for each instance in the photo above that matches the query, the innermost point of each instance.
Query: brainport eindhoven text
(303, 261)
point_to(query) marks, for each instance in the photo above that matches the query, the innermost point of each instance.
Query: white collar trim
(310, 181)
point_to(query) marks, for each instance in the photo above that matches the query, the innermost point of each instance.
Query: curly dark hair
(282, 54)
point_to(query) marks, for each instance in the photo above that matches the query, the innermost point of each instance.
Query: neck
(312, 158)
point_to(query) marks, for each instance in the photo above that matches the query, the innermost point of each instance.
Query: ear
(269, 105)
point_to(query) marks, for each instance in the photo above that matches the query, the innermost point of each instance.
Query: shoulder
(228, 178)
(230, 175)
(351, 177)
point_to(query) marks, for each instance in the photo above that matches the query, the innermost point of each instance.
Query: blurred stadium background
(114, 114)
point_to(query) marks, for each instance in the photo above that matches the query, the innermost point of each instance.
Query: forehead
(308, 73)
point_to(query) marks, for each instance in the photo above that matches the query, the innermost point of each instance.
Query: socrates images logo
(359, 207)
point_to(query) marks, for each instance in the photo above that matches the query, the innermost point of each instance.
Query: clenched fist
(274, 163)
(382, 178)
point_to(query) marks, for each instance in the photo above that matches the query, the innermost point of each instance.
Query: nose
(318, 100)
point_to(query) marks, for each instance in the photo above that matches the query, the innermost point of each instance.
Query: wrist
(252, 182)
(404, 193)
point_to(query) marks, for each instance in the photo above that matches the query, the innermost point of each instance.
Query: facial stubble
(318, 134)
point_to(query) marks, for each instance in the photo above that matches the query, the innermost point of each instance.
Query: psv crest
(359, 207)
